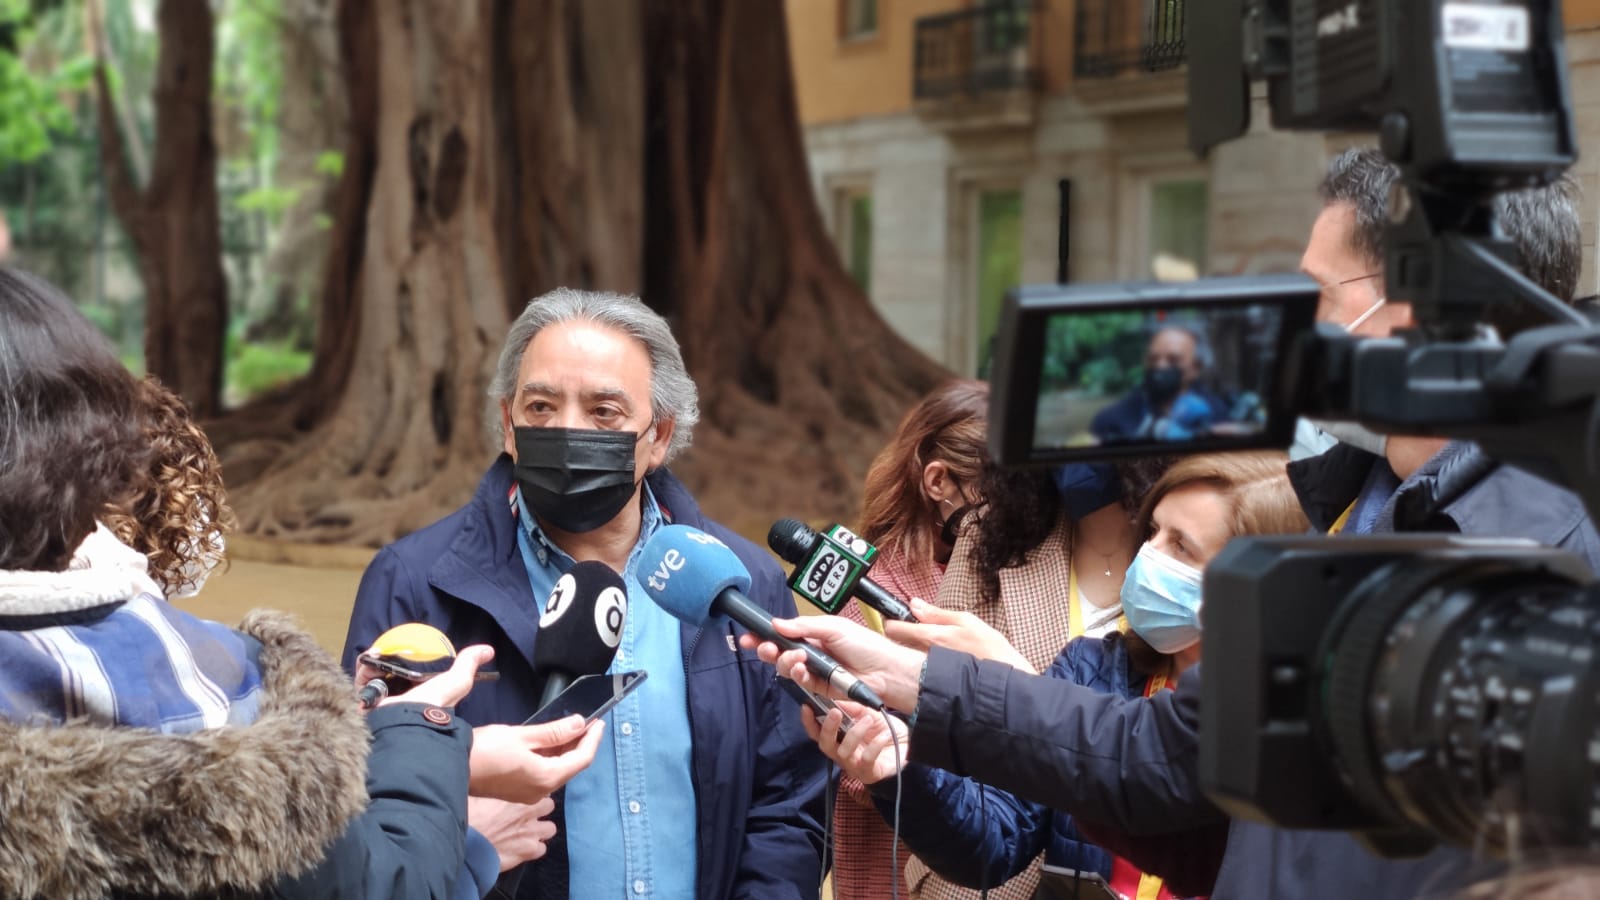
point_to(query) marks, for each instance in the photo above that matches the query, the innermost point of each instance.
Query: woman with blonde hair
(973, 834)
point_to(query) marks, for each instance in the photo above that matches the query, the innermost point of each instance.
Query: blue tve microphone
(694, 576)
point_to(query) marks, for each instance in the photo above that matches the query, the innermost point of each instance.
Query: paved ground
(320, 595)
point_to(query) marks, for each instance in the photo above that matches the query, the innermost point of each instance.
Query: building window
(854, 218)
(999, 263)
(1177, 229)
(857, 19)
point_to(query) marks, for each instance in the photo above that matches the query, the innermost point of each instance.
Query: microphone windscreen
(581, 624)
(792, 540)
(683, 569)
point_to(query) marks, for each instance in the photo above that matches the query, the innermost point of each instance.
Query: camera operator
(1132, 765)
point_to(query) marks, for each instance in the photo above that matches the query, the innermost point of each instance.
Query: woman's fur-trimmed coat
(89, 811)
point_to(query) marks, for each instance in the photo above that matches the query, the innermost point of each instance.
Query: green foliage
(270, 199)
(253, 368)
(1093, 352)
(1000, 263)
(249, 72)
(32, 110)
(330, 163)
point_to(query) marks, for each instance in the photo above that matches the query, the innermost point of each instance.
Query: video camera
(1409, 689)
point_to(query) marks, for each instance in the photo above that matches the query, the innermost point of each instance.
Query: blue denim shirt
(641, 773)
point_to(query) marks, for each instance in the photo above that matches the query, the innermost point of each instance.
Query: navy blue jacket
(979, 836)
(1132, 765)
(407, 843)
(759, 778)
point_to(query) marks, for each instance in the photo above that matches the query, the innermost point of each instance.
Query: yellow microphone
(407, 655)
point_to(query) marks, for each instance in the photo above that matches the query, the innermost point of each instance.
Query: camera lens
(1461, 696)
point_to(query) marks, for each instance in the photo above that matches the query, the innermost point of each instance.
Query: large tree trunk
(570, 106)
(420, 263)
(802, 379)
(173, 220)
(611, 144)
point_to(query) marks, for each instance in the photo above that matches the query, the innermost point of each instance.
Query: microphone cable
(827, 818)
(899, 782)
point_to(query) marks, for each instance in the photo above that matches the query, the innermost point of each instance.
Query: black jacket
(1133, 764)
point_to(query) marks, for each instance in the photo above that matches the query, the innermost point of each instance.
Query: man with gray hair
(705, 784)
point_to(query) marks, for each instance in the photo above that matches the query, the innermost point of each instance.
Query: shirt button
(638, 886)
(627, 728)
(634, 807)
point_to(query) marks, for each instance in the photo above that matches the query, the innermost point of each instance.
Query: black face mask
(950, 531)
(577, 479)
(1163, 383)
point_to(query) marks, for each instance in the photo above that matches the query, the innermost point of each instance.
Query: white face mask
(1356, 322)
(192, 577)
(1353, 433)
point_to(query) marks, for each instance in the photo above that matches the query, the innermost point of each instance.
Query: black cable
(983, 816)
(827, 819)
(899, 782)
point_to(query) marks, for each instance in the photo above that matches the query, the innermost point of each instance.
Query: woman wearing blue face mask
(973, 834)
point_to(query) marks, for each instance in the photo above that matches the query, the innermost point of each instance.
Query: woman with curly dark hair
(176, 512)
(1038, 564)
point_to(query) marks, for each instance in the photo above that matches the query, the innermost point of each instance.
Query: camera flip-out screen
(1100, 370)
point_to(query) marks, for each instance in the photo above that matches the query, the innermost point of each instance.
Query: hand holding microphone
(579, 627)
(893, 671)
(956, 631)
(412, 655)
(693, 576)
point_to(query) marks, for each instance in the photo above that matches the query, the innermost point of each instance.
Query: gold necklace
(1106, 556)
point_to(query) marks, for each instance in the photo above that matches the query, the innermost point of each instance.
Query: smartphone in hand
(819, 704)
(590, 696)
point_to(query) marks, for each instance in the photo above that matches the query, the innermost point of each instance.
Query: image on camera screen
(1176, 375)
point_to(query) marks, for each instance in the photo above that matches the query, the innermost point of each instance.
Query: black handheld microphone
(831, 567)
(579, 627)
(715, 584)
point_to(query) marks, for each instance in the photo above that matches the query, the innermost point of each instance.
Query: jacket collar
(483, 565)
(1426, 501)
(1460, 489)
(103, 572)
(1329, 483)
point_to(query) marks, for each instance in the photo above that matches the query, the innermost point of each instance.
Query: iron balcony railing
(983, 49)
(1116, 36)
